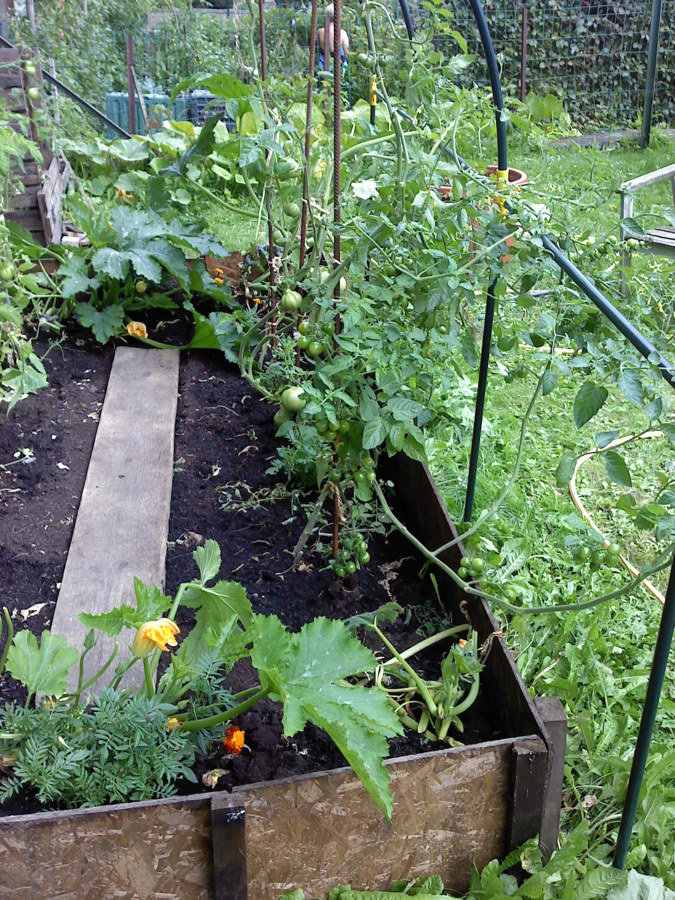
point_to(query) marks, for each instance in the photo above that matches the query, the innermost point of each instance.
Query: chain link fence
(592, 54)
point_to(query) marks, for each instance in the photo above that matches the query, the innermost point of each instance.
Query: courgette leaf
(306, 672)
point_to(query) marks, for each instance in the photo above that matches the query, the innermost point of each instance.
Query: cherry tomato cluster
(469, 569)
(363, 474)
(352, 555)
(314, 339)
(596, 558)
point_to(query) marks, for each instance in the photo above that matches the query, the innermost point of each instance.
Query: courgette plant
(322, 674)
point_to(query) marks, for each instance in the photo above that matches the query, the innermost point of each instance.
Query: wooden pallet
(659, 241)
(38, 202)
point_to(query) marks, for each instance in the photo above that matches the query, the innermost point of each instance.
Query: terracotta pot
(516, 177)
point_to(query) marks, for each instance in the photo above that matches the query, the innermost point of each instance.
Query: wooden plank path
(123, 519)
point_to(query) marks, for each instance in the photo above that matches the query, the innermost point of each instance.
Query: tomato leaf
(565, 470)
(549, 381)
(374, 432)
(617, 469)
(588, 402)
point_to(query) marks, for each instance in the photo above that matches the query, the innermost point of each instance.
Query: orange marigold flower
(256, 299)
(462, 643)
(218, 280)
(137, 329)
(234, 739)
(173, 723)
(158, 633)
(219, 271)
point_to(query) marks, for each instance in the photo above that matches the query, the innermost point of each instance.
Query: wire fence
(591, 54)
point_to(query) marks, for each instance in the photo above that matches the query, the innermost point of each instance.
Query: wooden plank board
(650, 178)
(26, 199)
(8, 55)
(123, 519)
(10, 78)
(662, 235)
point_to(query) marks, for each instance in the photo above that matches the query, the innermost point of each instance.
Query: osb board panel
(135, 850)
(450, 808)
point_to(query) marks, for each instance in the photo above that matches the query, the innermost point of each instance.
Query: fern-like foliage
(115, 750)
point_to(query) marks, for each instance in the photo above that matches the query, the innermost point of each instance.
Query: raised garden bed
(296, 826)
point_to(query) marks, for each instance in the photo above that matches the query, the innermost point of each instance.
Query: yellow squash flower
(137, 329)
(158, 633)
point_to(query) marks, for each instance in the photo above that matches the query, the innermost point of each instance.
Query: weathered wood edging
(123, 519)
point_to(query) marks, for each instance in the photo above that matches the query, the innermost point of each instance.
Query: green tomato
(477, 565)
(360, 476)
(351, 567)
(282, 415)
(304, 327)
(598, 557)
(614, 550)
(364, 557)
(141, 287)
(29, 67)
(339, 571)
(291, 399)
(344, 427)
(303, 342)
(291, 209)
(370, 476)
(315, 348)
(290, 300)
(7, 271)
(33, 93)
(277, 236)
(582, 554)
(463, 573)
(286, 168)
(511, 593)
(334, 475)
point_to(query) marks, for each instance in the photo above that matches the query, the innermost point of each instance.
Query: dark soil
(40, 489)
(225, 441)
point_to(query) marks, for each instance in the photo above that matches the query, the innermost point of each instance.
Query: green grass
(236, 232)
(596, 661)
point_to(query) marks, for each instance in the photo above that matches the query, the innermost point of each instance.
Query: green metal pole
(480, 401)
(651, 71)
(656, 678)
